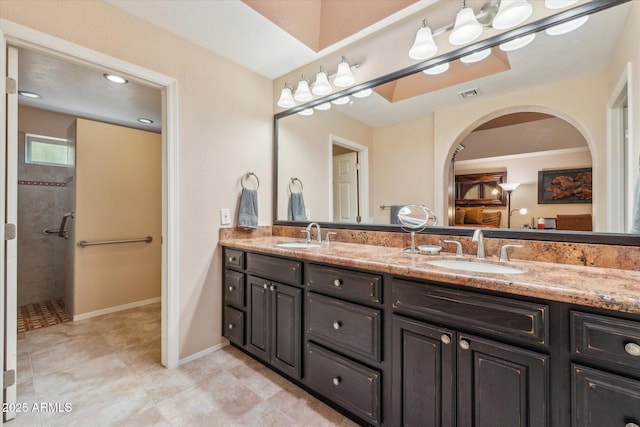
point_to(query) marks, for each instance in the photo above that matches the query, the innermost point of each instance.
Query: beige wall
(304, 151)
(224, 129)
(118, 196)
(403, 165)
(566, 99)
(524, 169)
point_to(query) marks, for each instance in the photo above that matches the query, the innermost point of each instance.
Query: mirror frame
(593, 6)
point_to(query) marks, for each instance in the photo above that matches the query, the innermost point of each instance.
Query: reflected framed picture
(565, 186)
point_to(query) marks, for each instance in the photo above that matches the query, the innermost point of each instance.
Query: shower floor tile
(41, 314)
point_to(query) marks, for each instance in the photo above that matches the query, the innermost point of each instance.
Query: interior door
(345, 187)
(9, 214)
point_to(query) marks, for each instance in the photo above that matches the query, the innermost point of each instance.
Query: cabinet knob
(232, 259)
(445, 339)
(633, 349)
(231, 288)
(337, 381)
(265, 286)
(337, 325)
(337, 283)
(464, 344)
(631, 425)
(231, 326)
(273, 288)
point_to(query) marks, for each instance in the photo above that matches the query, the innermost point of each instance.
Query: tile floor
(110, 373)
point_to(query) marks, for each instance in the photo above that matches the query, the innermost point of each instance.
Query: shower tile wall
(41, 203)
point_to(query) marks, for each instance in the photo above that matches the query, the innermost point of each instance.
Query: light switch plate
(225, 216)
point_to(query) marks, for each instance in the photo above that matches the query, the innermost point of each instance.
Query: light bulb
(518, 43)
(476, 56)
(512, 13)
(423, 47)
(466, 29)
(523, 211)
(344, 77)
(286, 98)
(566, 27)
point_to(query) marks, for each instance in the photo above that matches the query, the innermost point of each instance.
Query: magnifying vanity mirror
(415, 218)
(559, 103)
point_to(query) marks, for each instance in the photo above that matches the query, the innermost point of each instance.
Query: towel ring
(247, 176)
(293, 181)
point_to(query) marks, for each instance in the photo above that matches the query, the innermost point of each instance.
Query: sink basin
(474, 266)
(298, 245)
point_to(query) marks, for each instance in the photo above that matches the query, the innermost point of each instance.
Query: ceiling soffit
(321, 23)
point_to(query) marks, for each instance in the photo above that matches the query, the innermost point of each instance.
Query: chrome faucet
(478, 236)
(308, 231)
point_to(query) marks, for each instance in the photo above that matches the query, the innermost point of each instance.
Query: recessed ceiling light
(28, 94)
(145, 121)
(115, 79)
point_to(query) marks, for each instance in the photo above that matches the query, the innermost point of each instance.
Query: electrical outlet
(225, 216)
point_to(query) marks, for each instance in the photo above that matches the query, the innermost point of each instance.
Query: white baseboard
(203, 352)
(97, 313)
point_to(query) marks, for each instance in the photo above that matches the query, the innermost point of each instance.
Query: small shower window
(45, 150)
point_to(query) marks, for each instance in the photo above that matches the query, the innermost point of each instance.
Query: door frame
(20, 36)
(363, 174)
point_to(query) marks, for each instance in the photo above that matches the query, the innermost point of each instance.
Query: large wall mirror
(554, 105)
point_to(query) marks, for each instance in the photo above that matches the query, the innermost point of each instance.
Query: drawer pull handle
(231, 326)
(445, 339)
(232, 259)
(265, 286)
(231, 288)
(633, 349)
(631, 425)
(273, 288)
(337, 283)
(337, 381)
(337, 325)
(464, 344)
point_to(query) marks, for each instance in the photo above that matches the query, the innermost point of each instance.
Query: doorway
(22, 37)
(350, 182)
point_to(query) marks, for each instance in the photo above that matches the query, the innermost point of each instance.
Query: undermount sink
(474, 266)
(298, 245)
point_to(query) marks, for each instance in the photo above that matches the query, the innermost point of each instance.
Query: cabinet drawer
(351, 285)
(234, 258)
(234, 288)
(607, 339)
(351, 385)
(234, 325)
(602, 399)
(495, 316)
(278, 269)
(344, 326)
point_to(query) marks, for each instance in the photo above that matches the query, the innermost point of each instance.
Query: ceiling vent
(469, 93)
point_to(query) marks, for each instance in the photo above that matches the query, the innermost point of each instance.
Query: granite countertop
(604, 288)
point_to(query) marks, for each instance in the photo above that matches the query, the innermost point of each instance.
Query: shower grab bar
(83, 243)
(62, 232)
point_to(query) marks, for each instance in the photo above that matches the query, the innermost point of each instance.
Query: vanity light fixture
(558, 4)
(363, 93)
(323, 107)
(518, 43)
(113, 78)
(466, 28)
(286, 97)
(438, 69)
(344, 76)
(512, 13)
(321, 85)
(306, 112)
(303, 94)
(145, 121)
(341, 101)
(28, 94)
(476, 56)
(423, 47)
(566, 27)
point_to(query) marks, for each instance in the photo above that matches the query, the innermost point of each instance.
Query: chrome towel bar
(83, 243)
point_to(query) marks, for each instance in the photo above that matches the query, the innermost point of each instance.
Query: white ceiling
(234, 30)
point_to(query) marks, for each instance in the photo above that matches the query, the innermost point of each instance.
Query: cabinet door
(602, 399)
(501, 385)
(286, 330)
(423, 391)
(258, 316)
